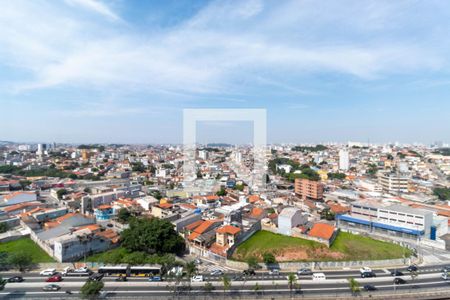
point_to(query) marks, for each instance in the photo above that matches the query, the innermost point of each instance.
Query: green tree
(21, 260)
(354, 285)
(222, 192)
(257, 288)
(60, 193)
(414, 275)
(3, 227)
(123, 215)
(239, 187)
(292, 279)
(442, 193)
(191, 269)
(2, 283)
(269, 258)
(91, 289)
(252, 262)
(208, 287)
(226, 284)
(152, 236)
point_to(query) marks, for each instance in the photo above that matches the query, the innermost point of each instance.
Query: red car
(54, 278)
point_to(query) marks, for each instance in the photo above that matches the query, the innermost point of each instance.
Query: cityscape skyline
(373, 71)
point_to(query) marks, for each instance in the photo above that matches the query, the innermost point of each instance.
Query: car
(15, 279)
(445, 269)
(237, 277)
(155, 278)
(198, 261)
(412, 268)
(249, 272)
(396, 273)
(54, 278)
(81, 270)
(304, 271)
(48, 272)
(96, 277)
(274, 271)
(399, 281)
(216, 273)
(368, 274)
(197, 278)
(103, 295)
(365, 270)
(51, 288)
(369, 287)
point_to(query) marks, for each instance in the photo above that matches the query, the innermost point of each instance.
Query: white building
(394, 183)
(203, 154)
(394, 220)
(343, 160)
(289, 218)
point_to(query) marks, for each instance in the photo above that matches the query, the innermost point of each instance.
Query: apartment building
(308, 189)
(394, 183)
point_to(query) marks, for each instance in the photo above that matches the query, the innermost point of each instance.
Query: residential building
(344, 161)
(394, 183)
(289, 218)
(308, 189)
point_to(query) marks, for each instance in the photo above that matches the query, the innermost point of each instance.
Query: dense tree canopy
(442, 193)
(152, 236)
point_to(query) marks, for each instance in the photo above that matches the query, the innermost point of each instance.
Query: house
(226, 237)
(103, 212)
(323, 233)
(203, 234)
(289, 218)
(83, 241)
(18, 197)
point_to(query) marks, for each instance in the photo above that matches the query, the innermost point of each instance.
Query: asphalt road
(335, 284)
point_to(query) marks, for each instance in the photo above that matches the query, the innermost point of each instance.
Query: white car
(48, 272)
(365, 270)
(82, 270)
(197, 278)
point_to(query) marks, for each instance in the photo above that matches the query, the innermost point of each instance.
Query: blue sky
(122, 71)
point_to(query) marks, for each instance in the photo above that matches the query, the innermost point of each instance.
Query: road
(335, 284)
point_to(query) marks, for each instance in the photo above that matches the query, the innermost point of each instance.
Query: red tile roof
(322, 230)
(228, 229)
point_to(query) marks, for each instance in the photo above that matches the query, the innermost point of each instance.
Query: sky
(122, 71)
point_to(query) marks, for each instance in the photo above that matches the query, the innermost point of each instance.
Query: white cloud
(225, 44)
(96, 6)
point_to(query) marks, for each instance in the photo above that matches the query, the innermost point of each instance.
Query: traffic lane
(200, 285)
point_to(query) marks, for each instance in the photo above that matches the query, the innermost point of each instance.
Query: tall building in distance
(308, 189)
(344, 160)
(203, 154)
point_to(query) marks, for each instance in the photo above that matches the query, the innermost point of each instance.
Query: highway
(335, 284)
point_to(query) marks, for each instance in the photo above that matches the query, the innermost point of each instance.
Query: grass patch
(358, 247)
(28, 246)
(347, 246)
(121, 255)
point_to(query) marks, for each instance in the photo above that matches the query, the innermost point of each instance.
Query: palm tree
(226, 284)
(292, 279)
(256, 288)
(354, 285)
(414, 275)
(191, 269)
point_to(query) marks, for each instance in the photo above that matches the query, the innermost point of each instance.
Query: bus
(144, 270)
(115, 270)
(128, 270)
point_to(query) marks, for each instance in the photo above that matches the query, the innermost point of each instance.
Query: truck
(68, 271)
